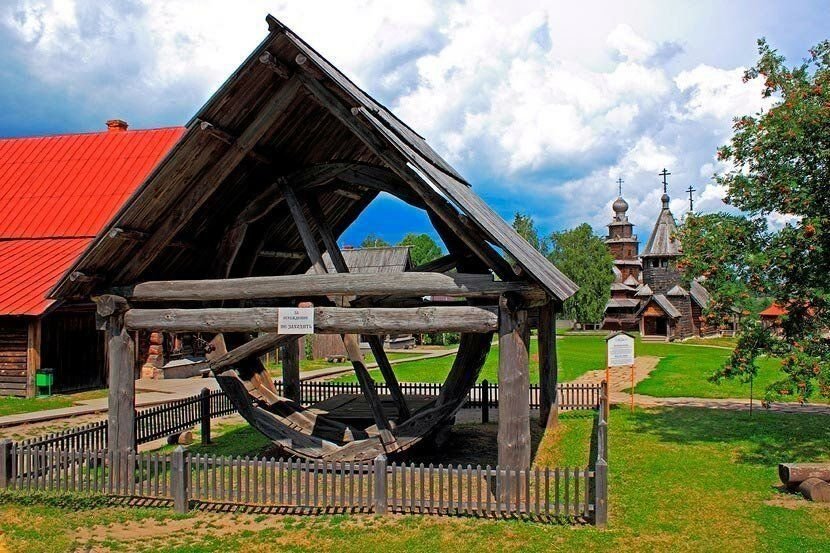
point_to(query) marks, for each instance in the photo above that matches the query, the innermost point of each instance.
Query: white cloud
(542, 104)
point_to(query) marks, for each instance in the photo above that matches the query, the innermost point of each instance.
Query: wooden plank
(322, 284)
(195, 197)
(514, 389)
(327, 320)
(33, 356)
(252, 348)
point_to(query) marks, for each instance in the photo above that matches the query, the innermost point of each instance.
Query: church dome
(620, 205)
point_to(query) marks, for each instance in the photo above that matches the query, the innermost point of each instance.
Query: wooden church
(649, 292)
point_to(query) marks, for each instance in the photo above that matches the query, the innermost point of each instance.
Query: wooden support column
(32, 357)
(548, 369)
(375, 342)
(291, 370)
(121, 367)
(514, 388)
(350, 341)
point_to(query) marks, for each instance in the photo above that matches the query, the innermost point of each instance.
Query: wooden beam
(383, 284)
(121, 369)
(398, 163)
(350, 341)
(548, 369)
(252, 348)
(185, 207)
(327, 320)
(281, 255)
(375, 342)
(514, 389)
(291, 369)
(32, 356)
(271, 62)
(140, 236)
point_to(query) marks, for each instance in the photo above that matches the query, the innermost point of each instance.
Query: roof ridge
(89, 133)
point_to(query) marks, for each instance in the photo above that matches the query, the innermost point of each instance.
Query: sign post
(620, 353)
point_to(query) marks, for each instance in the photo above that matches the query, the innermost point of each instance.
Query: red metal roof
(773, 310)
(56, 194)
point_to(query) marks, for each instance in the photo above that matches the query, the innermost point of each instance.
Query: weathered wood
(291, 370)
(375, 342)
(792, 474)
(275, 65)
(121, 368)
(548, 369)
(281, 255)
(815, 489)
(327, 320)
(514, 389)
(382, 284)
(32, 356)
(253, 348)
(192, 200)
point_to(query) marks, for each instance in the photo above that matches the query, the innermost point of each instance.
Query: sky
(541, 105)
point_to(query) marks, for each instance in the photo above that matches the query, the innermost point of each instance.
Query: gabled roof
(774, 310)
(57, 193)
(287, 112)
(644, 290)
(662, 241)
(621, 302)
(631, 281)
(663, 303)
(700, 294)
(389, 259)
(677, 290)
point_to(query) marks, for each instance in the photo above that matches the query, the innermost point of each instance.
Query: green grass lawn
(16, 405)
(680, 480)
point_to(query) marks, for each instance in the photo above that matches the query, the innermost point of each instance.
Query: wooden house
(57, 194)
(282, 159)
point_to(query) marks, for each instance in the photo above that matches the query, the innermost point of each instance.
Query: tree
(585, 259)
(423, 248)
(524, 225)
(372, 240)
(780, 163)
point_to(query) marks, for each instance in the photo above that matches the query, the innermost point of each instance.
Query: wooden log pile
(812, 480)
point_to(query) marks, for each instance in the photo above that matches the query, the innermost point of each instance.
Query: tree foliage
(423, 248)
(372, 240)
(524, 225)
(585, 259)
(779, 163)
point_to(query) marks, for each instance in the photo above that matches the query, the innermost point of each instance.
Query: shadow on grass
(762, 439)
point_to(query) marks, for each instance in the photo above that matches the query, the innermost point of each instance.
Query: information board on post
(295, 320)
(620, 347)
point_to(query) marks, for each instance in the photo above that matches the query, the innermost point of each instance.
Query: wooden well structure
(284, 156)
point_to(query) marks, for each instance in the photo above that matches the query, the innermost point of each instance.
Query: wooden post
(380, 500)
(291, 370)
(121, 367)
(204, 406)
(179, 479)
(485, 401)
(32, 357)
(548, 369)
(5, 462)
(601, 467)
(514, 388)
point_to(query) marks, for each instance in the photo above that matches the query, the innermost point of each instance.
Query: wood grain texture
(514, 389)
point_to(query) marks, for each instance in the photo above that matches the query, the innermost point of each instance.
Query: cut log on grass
(815, 489)
(792, 474)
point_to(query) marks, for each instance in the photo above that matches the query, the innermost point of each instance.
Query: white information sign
(620, 350)
(295, 320)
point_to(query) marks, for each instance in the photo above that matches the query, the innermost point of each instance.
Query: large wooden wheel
(305, 432)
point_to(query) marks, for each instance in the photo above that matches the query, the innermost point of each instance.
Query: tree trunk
(792, 474)
(815, 489)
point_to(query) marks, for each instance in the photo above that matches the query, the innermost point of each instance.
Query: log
(792, 474)
(815, 489)
(257, 346)
(327, 320)
(341, 284)
(514, 389)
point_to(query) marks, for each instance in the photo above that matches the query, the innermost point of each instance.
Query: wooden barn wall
(14, 338)
(74, 348)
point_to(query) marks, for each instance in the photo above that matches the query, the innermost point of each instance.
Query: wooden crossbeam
(348, 284)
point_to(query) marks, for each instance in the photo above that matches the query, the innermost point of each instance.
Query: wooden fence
(564, 494)
(179, 415)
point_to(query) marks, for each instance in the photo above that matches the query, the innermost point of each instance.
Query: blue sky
(541, 105)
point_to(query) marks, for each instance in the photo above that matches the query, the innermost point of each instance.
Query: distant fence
(179, 415)
(305, 486)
